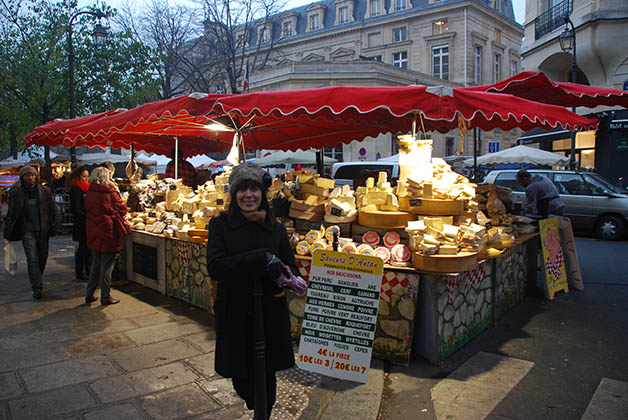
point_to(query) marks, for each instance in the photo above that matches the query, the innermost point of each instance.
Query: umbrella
(520, 154)
(538, 87)
(308, 118)
(300, 156)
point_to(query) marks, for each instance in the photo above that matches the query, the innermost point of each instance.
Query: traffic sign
(493, 146)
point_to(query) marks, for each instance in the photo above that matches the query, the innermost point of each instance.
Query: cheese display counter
(454, 259)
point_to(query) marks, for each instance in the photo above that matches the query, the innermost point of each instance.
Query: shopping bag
(10, 259)
(122, 227)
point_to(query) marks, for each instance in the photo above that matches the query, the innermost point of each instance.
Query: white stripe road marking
(609, 402)
(474, 389)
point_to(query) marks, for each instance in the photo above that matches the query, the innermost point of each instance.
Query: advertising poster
(553, 258)
(340, 315)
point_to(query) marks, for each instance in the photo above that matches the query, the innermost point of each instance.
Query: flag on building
(245, 80)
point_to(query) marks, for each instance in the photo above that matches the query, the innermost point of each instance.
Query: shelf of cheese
(379, 206)
(432, 207)
(317, 199)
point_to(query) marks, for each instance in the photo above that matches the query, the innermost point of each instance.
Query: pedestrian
(542, 198)
(247, 245)
(32, 218)
(103, 204)
(78, 184)
(185, 170)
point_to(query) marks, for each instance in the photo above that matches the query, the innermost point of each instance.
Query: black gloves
(273, 266)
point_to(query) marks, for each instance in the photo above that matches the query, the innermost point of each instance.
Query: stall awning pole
(176, 157)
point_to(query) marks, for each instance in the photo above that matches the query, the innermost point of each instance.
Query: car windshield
(602, 184)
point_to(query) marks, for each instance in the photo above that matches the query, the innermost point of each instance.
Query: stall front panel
(186, 274)
(511, 276)
(145, 260)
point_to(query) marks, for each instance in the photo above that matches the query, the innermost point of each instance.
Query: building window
(333, 152)
(440, 62)
(513, 67)
(400, 4)
(400, 59)
(498, 35)
(497, 68)
(314, 22)
(264, 35)
(286, 28)
(343, 14)
(439, 27)
(220, 89)
(376, 6)
(497, 5)
(449, 146)
(400, 34)
(477, 64)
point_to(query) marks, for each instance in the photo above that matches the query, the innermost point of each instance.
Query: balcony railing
(551, 19)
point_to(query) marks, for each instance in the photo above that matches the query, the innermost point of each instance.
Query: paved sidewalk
(149, 356)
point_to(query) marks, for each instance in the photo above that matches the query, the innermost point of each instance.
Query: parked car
(591, 202)
(346, 172)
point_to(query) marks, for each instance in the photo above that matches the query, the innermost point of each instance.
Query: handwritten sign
(553, 258)
(574, 276)
(340, 315)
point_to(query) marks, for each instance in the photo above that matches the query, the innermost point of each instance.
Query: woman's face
(249, 199)
(84, 176)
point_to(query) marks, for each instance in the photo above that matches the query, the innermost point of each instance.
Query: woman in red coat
(103, 204)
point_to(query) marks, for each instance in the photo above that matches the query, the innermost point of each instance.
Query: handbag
(122, 227)
(10, 259)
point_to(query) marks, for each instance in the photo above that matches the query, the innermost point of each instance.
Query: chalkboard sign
(145, 260)
(415, 202)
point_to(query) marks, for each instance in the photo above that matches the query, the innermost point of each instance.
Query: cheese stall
(455, 260)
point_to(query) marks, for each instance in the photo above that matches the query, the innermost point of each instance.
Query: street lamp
(100, 35)
(567, 42)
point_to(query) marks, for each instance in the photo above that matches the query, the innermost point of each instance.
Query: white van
(345, 172)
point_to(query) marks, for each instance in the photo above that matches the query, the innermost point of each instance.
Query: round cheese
(303, 248)
(365, 249)
(383, 253)
(400, 253)
(391, 239)
(371, 238)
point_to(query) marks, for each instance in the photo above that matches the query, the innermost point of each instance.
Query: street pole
(574, 75)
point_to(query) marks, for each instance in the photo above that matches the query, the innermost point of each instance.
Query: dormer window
(400, 34)
(375, 7)
(315, 13)
(401, 4)
(344, 11)
(286, 28)
(264, 35)
(440, 26)
(343, 14)
(288, 24)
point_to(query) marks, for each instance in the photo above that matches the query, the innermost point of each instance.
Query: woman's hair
(100, 175)
(233, 205)
(74, 176)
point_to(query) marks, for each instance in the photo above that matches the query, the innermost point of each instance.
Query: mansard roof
(359, 11)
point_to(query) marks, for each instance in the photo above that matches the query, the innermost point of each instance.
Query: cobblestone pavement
(149, 356)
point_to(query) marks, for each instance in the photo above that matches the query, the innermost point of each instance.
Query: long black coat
(49, 220)
(236, 257)
(77, 207)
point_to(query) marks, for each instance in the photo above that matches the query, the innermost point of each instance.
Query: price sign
(340, 315)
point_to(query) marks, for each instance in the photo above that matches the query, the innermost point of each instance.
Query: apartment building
(390, 43)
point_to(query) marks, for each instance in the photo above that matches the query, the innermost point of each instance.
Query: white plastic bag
(10, 259)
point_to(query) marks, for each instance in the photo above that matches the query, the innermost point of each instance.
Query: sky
(519, 5)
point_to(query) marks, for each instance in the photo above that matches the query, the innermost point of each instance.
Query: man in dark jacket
(542, 197)
(32, 218)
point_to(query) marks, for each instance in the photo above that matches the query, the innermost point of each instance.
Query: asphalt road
(573, 341)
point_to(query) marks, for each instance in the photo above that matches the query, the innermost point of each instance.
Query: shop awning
(538, 135)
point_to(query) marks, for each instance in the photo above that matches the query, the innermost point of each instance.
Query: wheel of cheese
(303, 248)
(350, 248)
(391, 239)
(385, 219)
(329, 232)
(383, 253)
(313, 236)
(320, 244)
(401, 253)
(365, 249)
(371, 238)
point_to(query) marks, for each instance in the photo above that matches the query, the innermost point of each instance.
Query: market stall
(455, 259)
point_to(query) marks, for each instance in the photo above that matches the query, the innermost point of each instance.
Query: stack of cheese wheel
(391, 239)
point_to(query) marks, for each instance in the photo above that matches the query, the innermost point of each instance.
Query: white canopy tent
(25, 157)
(303, 157)
(520, 154)
(100, 158)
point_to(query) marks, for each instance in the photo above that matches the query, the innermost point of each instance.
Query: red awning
(538, 87)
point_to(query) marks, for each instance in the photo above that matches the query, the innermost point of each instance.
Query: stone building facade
(390, 43)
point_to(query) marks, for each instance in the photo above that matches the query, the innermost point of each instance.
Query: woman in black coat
(78, 183)
(247, 245)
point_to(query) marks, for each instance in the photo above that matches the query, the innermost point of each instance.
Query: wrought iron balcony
(552, 19)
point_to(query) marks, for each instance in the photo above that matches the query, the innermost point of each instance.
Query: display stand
(145, 259)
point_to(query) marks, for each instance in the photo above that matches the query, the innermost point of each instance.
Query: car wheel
(611, 228)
